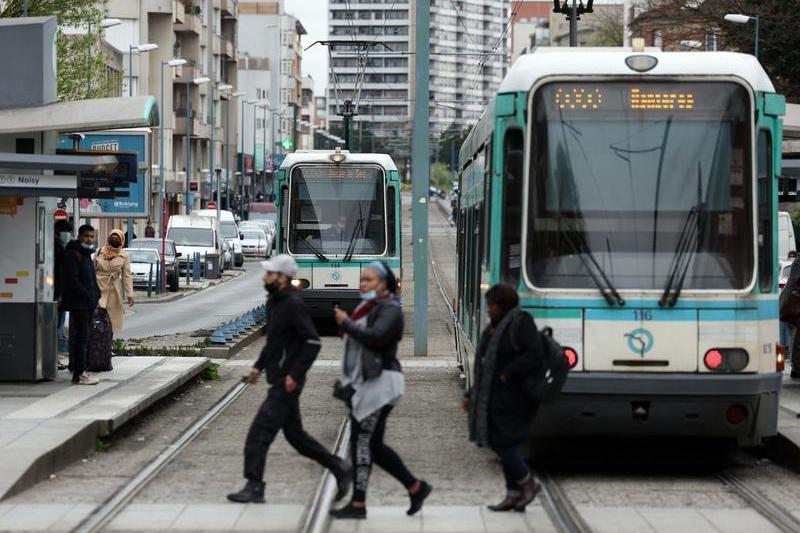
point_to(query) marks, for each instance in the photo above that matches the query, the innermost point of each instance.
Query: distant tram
(336, 212)
(631, 197)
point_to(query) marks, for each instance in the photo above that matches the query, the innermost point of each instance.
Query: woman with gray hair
(372, 384)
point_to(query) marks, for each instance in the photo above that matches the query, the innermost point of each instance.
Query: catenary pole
(420, 178)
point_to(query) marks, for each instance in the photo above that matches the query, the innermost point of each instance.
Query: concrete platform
(46, 426)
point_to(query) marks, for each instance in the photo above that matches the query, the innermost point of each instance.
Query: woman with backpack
(500, 409)
(372, 384)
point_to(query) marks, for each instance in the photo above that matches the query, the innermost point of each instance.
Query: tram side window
(284, 222)
(764, 168)
(486, 220)
(511, 247)
(391, 222)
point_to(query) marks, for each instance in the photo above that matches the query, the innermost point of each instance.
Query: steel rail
(108, 510)
(559, 508)
(317, 519)
(775, 513)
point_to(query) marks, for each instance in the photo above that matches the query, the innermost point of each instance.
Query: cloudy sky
(313, 14)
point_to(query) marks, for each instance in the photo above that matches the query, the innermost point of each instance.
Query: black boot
(508, 503)
(253, 492)
(528, 492)
(350, 512)
(343, 473)
(418, 497)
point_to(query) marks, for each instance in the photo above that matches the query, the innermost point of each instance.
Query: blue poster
(135, 204)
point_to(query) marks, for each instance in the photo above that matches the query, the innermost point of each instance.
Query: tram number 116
(642, 314)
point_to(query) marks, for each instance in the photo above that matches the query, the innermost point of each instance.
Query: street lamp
(219, 89)
(738, 18)
(162, 202)
(189, 83)
(241, 161)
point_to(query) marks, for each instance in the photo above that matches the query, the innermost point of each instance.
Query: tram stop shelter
(33, 178)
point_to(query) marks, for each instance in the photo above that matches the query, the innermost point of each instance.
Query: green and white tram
(632, 199)
(337, 211)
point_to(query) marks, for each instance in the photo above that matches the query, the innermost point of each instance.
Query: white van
(230, 231)
(195, 234)
(786, 242)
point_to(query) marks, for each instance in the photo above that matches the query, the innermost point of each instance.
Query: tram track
(774, 512)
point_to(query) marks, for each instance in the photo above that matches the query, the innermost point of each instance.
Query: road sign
(211, 205)
(60, 214)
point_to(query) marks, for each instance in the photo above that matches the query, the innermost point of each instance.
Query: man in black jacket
(79, 296)
(291, 348)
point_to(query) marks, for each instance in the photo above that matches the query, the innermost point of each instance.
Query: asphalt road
(202, 310)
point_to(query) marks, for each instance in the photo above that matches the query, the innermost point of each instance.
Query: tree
(608, 29)
(683, 20)
(454, 134)
(78, 76)
(440, 176)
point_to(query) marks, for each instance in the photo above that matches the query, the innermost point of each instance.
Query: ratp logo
(336, 275)
(640, 341)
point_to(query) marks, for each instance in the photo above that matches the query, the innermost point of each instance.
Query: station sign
(21, 184)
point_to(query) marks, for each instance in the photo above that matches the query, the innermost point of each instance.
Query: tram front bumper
(741, 406)
(320, 302)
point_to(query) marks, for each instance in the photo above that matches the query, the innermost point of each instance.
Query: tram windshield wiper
(351, 246)
(688, 242)
(596, 272)
(314, 249)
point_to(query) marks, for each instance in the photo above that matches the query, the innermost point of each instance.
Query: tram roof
(544, 62)
(323, 156)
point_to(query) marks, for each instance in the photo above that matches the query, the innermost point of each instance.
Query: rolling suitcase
(98, 351)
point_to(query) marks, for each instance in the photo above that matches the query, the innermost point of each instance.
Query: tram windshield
(337, 210)
(639, 183)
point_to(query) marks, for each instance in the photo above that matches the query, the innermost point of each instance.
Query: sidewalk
(46, 426)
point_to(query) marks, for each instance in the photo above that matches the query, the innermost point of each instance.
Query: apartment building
(204, 33)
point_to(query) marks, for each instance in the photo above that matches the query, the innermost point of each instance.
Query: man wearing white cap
(291, 348)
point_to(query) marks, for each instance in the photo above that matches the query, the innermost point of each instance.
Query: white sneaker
(63, 362)
(86, 379)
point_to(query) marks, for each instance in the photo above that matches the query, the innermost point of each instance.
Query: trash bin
(212, 266)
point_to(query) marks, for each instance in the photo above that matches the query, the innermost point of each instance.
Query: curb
(229, 350)
(186, 293)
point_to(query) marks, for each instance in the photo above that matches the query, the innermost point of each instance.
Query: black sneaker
(419, 498)
(350, 512)
(344, 476)
(253, 492)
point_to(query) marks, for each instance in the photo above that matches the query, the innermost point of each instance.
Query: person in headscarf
(372, 384)
(113, 267)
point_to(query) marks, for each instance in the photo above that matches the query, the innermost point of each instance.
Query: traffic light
(287, 144)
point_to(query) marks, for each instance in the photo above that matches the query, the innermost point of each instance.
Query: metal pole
(161, 195)
(573, 24)
(88, 61)
(294, 126)
(227, 154)
(25, 8)
(188, 144)
(421, 178)
(130, 93)
(757, 30)
(241, 169)
(255, 165)
(211, 155)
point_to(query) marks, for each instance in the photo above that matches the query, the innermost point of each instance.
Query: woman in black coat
(500, 411)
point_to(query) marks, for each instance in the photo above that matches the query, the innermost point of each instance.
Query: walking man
(79, 296)
(291, 348)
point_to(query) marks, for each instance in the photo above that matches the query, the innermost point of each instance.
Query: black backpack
(545, 385)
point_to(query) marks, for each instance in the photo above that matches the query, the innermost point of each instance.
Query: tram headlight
(301, 283)
(641, 62)
(726, 359)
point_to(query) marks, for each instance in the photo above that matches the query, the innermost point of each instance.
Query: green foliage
(79, 76)
(101, 445)
(440, 176)
(210, 373)
(609, 30)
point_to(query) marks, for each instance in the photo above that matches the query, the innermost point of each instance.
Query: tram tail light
(780, 357)
(726, 359)
(571, 356)
(736, 413)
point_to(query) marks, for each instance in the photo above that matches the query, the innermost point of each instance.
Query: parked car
(144, 265)
(170, 258)
(266, 225)
(786, 241)
(196, 234)
(230, 231)
(255, 243)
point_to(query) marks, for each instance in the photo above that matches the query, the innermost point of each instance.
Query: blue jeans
(63, 341)
(515, 469)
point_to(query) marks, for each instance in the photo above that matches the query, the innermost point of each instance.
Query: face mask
(369, 295)
(114, 242)
(89, 247)
(64, 237)
(271, 288)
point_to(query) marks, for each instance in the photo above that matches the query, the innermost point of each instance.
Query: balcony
(200, 130)
(228, 8)
(229, 49)
(190, 24)
(185, 73)
(179, 11)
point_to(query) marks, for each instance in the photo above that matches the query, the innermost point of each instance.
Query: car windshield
(191, 236)
(229, 230)
(623, 172)
(253, 235)
(169, 247)
(336, 210)
(143, 256)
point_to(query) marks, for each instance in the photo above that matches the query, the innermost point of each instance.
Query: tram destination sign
(342, 172)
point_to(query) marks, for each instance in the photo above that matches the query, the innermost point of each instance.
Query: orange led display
(661, 100)
(579, 98)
